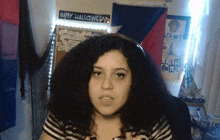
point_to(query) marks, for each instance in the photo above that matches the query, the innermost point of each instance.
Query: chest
(107, 131)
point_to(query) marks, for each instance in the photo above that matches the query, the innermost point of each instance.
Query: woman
(108, 87)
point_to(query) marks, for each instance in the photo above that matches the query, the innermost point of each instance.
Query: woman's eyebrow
(122, 69)
(97, 67)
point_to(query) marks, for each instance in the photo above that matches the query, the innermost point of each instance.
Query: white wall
(42, 16)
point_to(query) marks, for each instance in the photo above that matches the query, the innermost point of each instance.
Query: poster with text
(174, 47)
(174, 51)
(69, 37)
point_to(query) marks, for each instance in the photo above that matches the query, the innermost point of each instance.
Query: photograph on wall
(177, 27)
(69, 37)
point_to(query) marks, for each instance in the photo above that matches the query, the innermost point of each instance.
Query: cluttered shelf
(204, 126)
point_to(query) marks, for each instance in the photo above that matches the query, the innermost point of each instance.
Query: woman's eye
(97, 73)
(120, 75)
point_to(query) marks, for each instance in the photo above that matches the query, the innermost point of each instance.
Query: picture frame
(177, 27)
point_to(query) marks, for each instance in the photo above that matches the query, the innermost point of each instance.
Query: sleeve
(53, 127)
(161, 131)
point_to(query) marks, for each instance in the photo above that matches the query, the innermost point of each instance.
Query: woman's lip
(106, 98)
(106, 102)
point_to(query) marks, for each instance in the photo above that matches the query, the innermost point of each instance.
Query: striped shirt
(161, 131)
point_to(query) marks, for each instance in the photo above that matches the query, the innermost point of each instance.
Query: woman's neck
(106, 127)
(106, 118)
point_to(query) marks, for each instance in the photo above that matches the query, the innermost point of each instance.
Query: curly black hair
(70, 102)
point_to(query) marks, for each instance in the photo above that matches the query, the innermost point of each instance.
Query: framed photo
(177, 27)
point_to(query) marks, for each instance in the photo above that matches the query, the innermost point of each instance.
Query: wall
(42, 18)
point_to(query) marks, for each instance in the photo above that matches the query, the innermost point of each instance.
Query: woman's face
(110, 82)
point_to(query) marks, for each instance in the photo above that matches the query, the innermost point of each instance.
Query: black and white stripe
(161, 131)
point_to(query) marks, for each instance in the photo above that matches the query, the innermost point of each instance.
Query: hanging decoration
(29, 61)
(88, 17)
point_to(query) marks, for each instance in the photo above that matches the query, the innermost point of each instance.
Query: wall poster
(69, 37)
(174, 50)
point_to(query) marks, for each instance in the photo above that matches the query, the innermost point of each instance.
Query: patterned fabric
(9, 11)
(8, 74)
(9, 24)
(161, 131)
(9, 20)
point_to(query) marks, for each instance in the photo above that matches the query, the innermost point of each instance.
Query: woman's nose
(107, 83)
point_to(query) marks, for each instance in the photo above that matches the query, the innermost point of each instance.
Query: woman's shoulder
(60, 130)
(160, 130)
(53, 127)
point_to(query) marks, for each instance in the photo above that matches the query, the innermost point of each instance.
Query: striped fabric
(161, 131)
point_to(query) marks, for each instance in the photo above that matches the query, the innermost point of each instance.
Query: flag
(145, 24)
(9, 21)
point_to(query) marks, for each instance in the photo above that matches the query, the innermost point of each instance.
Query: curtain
(210, 75)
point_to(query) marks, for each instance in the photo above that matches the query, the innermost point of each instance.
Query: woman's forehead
(112, 58)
